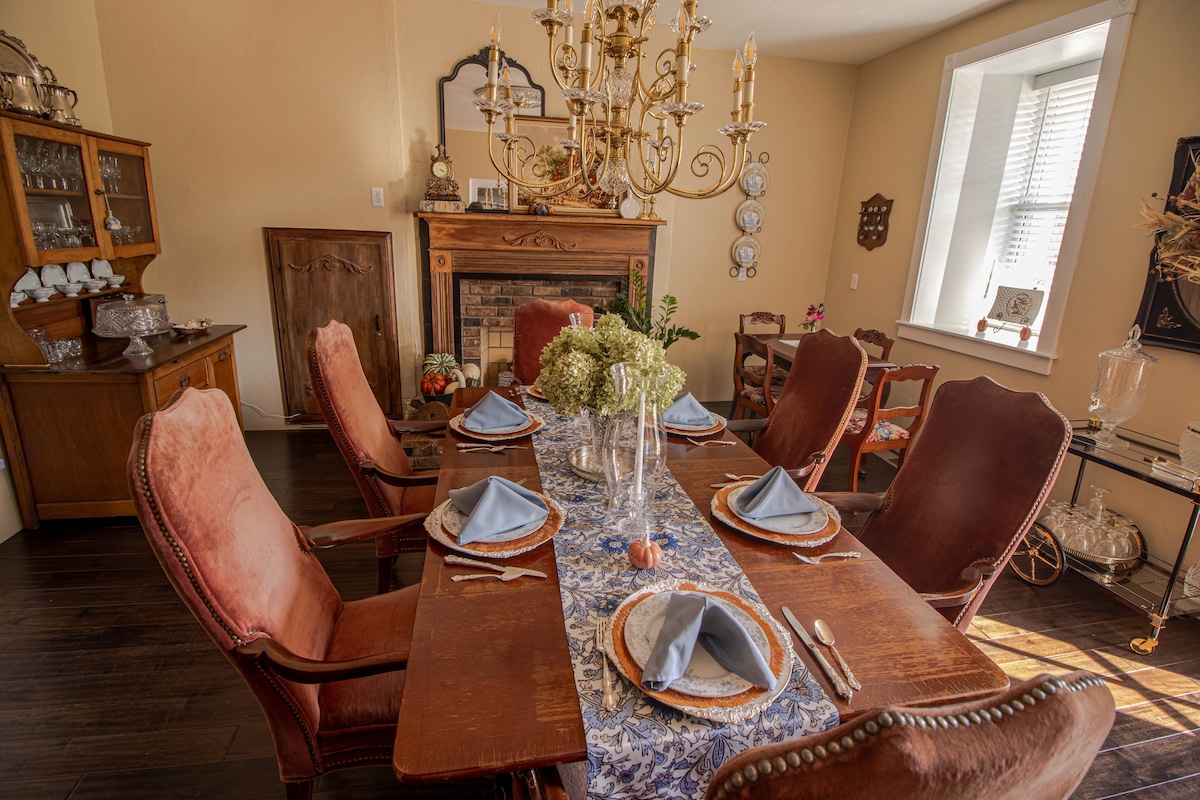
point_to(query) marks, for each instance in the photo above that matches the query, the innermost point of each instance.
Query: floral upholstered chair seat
(755, 393)
(884, 431)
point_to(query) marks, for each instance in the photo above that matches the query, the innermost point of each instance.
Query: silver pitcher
(61, 102)
(21, 94)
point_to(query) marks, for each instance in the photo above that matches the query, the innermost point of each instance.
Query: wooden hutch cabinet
(68, 426)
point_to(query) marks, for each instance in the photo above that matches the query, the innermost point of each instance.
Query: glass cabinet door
(127, 198)
(61, 223)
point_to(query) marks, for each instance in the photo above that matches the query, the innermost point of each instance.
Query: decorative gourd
(645, 554)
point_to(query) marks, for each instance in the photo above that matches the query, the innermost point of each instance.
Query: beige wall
(1157, 101)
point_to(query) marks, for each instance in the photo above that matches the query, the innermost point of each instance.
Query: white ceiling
(841, 31)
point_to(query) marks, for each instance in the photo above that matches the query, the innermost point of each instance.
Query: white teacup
(70, 289)
(94, 285)
(115, 280)
(41, 294)
(15, 298)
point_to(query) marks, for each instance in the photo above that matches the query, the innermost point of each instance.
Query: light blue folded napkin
(493, 412)
(494, 506)
(774, 495)
(695, 618)
(687, 411)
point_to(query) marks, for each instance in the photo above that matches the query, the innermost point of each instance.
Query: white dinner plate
(785, 523)
(454, 520)
(53, 275)
(27, 281)
(77, 272)
(101, 268)
(704, 676)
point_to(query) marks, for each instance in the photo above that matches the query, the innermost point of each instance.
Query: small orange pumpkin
(645, 554)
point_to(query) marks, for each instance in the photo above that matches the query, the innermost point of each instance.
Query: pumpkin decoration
(645, 554)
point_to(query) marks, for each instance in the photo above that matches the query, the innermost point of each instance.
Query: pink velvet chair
(1032, 742)
(973, 481)
(328, 674)
(814, 407)
(370, 442)
(534, 325)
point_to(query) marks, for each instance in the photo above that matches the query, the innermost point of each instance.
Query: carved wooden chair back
(871, 428)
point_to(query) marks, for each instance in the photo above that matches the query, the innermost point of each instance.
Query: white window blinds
(1048, 138)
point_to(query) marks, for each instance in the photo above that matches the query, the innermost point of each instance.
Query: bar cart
(1151, 585)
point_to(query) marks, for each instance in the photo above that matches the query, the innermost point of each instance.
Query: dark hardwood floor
(110, 690)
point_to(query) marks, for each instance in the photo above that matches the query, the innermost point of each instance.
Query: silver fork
(711, 443)
(609, 700)
(817, 559)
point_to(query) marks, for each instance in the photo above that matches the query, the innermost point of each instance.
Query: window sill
(1002, 347)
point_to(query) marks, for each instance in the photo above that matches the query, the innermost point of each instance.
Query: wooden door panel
(318, 275)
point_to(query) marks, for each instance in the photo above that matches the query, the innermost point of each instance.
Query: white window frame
(1038, 353)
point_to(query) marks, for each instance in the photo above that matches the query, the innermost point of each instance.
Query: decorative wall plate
(755, 179)
(746, 251)
(630, 207)
(749, 216)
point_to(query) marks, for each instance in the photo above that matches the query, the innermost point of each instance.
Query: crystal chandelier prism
(627, 113)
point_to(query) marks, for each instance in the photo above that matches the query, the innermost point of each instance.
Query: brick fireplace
(479, 267)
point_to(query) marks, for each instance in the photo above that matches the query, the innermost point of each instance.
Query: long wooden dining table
(489, 686)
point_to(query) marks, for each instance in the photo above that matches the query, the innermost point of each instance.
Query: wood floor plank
(54, 788)
(1129, 768)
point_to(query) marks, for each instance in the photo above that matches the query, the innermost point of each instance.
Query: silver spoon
(817, 559)
(825, 634)
(609, 700)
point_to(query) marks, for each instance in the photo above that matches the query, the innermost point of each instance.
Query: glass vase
(1120, 386)
(635, 448)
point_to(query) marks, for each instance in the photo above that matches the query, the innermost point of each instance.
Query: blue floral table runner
(644, 748)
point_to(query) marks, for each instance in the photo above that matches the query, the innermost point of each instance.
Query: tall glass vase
(635, 448)
(1120, 386)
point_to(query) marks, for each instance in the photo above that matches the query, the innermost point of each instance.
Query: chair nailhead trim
(751, 772)
(820, 752)
(807, 756)
(1007, 709)
(964, 720)
(996, 714)
(847, 743)
(1039, 694)
(793, 758)
(885, 719)
(1049, 687)
(975, 717)
(722, 794)
(764, 767)
(872, 727)
(834, 748)
(1028, 700)
(779, 764)
(859, 735)
(737, 780)
(1018, 705)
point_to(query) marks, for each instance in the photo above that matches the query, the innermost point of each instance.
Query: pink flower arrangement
(812, 320)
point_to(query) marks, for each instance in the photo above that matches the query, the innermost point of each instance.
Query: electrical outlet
(854, 281)
(377, 196)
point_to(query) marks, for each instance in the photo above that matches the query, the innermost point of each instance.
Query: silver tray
(585, 462)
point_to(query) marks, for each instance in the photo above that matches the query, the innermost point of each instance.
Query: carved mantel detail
(539, 238)
(331, 263)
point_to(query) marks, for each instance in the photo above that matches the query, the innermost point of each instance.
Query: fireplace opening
(485, 305)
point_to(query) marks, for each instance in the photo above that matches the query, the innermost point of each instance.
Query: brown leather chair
(871, 429)
(535, 324)
(751, 392)
(369, 442)
(1035, 741)
(328, 674)
(807, 420)
(972, 483)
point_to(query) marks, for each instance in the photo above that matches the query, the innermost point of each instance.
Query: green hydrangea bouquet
(575, 366)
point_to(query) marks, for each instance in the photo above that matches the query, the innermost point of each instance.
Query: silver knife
(839, 685)
(470, 562)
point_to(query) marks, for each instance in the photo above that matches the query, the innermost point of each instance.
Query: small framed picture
(486, 192)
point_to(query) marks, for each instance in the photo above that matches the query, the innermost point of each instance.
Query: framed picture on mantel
(1170, 310)
(547, 161)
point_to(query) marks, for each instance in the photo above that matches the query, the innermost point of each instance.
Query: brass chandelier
(617, 136)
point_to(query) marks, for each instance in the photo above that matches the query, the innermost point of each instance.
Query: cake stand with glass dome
(1107, 548)
(132, 319)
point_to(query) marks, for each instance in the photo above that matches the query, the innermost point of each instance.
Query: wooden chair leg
(855, 464)
(386, 565)
(300, 790)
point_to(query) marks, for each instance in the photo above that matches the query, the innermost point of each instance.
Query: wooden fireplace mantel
(564, 246)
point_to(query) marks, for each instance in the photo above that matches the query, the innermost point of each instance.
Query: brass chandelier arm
(512, 149)
(729, 171)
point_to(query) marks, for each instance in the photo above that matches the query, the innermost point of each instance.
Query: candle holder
(635, 455)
